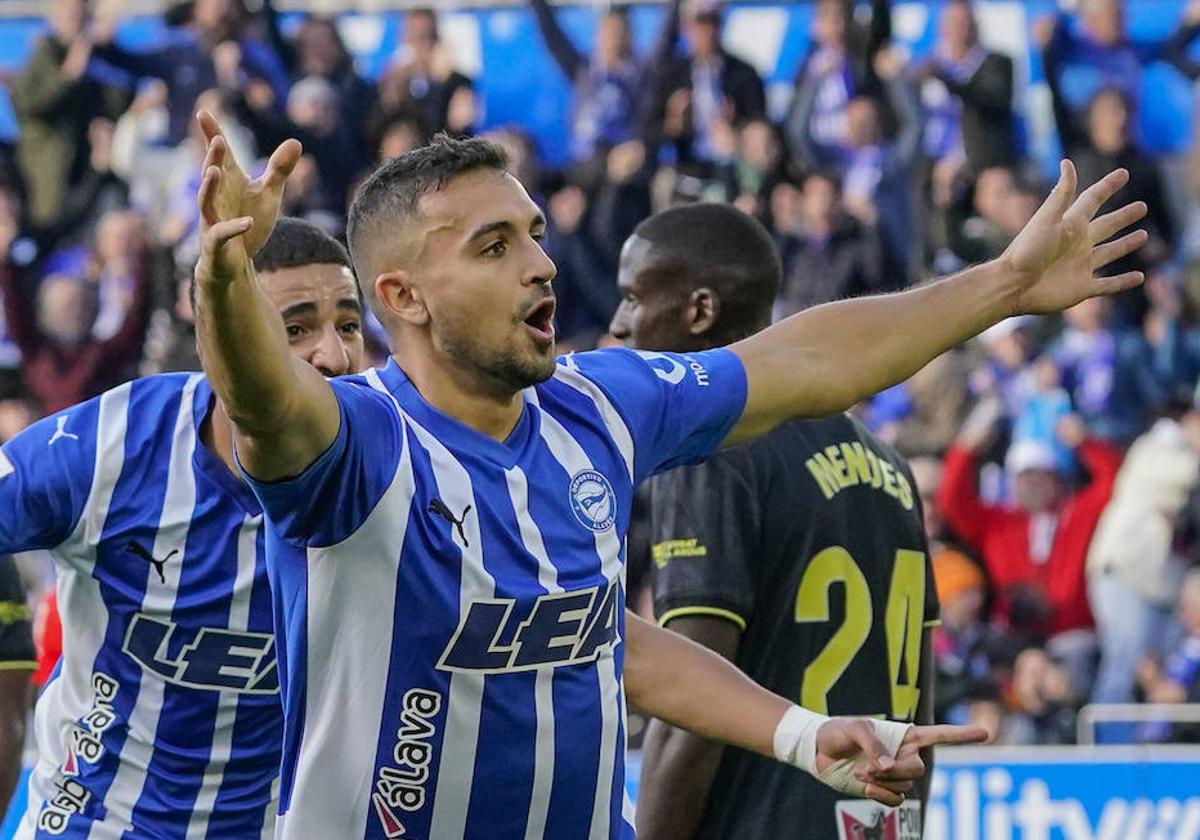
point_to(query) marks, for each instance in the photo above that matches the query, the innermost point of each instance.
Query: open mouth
(540, 320)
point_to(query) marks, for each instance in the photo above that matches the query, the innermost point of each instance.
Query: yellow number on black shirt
(903, 626)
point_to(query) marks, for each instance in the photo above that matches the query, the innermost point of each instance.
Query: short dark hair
(293, 243)
(394, 189)
(296, 242)
(721, 247)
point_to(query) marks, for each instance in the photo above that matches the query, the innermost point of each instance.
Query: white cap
(1030, 455)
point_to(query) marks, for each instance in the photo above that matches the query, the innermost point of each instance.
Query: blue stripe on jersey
(505, 754)
(140, 494)
(576, 745)
(249, 787)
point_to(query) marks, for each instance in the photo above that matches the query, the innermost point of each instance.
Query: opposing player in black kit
(800, 556)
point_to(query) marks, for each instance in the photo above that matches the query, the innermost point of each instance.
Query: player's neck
(487, 407)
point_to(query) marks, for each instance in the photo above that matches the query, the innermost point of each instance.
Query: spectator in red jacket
(1034, 549)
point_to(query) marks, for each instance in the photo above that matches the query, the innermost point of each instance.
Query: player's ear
(399, 296)
(704, 308)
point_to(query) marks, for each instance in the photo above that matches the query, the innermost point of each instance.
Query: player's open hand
(851, 757)
(223, 255)
(235, 194)
(1054, 258)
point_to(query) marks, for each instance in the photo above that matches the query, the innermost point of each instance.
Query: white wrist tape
(796, 738)
(796, 744)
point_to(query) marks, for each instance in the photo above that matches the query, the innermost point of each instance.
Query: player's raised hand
(223, 255)
(236, 194)
(862, 757)
(1056, 255)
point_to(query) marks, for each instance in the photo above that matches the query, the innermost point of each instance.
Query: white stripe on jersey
(543, 757)
(346, 686)
(239, 621)
(173, 527)
(608, 412)
(456, 768)
(81, 605)
(567, 451)
(269, 813)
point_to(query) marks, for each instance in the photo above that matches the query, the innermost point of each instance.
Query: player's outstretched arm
(283, 411)
(828, 358)
(689, 686)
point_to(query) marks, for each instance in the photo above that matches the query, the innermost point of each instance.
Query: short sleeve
(45, 479)
(16, 631)
(678, 407)
(327, 502)
(706, 526)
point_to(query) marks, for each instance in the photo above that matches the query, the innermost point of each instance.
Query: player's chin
(544, 363)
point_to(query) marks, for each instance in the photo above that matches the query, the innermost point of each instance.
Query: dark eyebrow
(493, 227)
(298, 309)
(490, 227)
(350, 303)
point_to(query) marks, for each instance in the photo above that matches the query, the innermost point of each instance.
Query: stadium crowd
(1058, 459)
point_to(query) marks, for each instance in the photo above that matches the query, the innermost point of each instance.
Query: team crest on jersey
(593, 500)
(861, 819)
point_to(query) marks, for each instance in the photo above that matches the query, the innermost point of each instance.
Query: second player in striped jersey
(163, 719)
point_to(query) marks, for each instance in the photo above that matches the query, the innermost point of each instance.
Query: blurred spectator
(840, 65)
(981, 221)
(1133, 575)
(312, 116)
(828, 254)
(1045, 405)
(1178, 50)
(1099, 141)
(1006, 373)
(605, 87)
(875, 171)
(1178, 679)
(63, 363)
(701, 92)
(1045, 694)
(967, 649)
(1033, 549)
(1084, 56)
(938, 403)
(215, 48)
(584, 285)
(170, 176)
(318, 50)
(400, 132)
(1108, 370)
(754, 170)
(423, 78)
(55, 103)
(967, 93)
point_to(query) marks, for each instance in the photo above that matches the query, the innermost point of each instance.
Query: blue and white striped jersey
(163, 718)
(451, 607)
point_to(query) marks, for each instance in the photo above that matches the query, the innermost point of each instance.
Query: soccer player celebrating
(748, 546)
(446, 534)
(163, 719)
